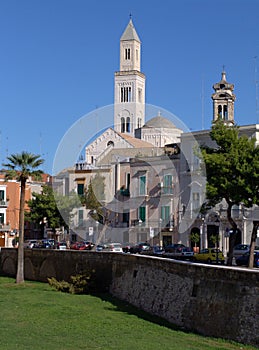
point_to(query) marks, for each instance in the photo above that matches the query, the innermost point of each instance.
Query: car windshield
(215, 250)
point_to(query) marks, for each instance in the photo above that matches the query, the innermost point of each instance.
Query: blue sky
(58, 59)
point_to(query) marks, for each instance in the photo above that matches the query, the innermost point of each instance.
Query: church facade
(152, 186)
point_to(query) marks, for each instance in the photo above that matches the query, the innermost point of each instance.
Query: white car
(113, 247)
(30, 243)
(62, 246)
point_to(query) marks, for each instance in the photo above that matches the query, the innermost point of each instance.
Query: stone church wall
(214, 301)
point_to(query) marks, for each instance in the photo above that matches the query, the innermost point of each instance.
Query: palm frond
(23, 165)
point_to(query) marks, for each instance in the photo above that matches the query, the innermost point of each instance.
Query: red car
(82, 245)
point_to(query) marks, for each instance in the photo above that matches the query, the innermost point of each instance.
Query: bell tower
(223, 100)
(129, 86)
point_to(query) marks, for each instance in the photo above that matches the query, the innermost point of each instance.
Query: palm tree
(21, 167)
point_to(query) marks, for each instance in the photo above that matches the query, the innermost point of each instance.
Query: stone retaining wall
(216, 301)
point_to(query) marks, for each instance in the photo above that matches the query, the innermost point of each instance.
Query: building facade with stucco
(153, 186)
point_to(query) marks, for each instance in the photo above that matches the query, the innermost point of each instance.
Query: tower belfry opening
(223, 100)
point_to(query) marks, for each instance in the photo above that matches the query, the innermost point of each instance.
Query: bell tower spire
(223, 100)
(129, 89)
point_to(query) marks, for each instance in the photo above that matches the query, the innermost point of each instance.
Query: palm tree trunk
(20, 261)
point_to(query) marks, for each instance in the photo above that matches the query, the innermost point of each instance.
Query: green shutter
(165, 213)
(142, 213)
(142, 185)
(168, 184)
(80, 189)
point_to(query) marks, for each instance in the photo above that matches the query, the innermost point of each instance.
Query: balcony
(124, 192)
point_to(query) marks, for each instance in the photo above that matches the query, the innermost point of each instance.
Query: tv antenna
(256, 92)
(202, 104)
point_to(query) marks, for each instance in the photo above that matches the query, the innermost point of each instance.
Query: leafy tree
(195, 238)
(55, 209)
(98, 187)
(92, 203)
(21, 167)
(232, 169)
(215, 240)
(43, 208)
(66, 206)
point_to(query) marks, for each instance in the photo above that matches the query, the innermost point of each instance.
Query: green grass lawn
(34, 316)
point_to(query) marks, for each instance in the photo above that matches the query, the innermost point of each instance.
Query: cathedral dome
(159, 122)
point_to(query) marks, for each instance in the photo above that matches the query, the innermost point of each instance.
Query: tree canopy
(94, 193)
(232, 169)
(43, 208)
(55, 209)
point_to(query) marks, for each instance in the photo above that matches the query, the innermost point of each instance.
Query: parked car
(114, 247)
(83, 245)
(51, 242)
(140, 248)
(157, 250)
(43, 244)
(173, 248)
(240, 249)
(126, 247)
(76, 245)
(62, 245)
(88, 245)
(243, 260)
(184, 253)
(30, 243)
(100, 247)
(209, 255)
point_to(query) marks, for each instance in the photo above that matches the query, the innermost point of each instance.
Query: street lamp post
(160, 233)
(217, 221)
(201, 232)
(139, 223)
(151, 235)
(97, 233)
(171, 223)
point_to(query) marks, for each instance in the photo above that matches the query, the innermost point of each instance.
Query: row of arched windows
(126, 94)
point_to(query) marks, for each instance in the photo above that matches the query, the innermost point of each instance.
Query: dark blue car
(243, 260)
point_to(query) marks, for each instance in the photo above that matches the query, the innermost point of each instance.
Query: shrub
(62, 286)
(83, 283)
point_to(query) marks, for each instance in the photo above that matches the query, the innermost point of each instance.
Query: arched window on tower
(220, 112)
(126, 94)
(129, 94)
(225, 112)
(128, 124)
(127, 54)
(122, 124)
(139, 95)
(139, 123)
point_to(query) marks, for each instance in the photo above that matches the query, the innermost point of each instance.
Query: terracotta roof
(136, 143)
